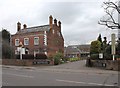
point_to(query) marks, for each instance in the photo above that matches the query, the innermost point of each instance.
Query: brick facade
(49, 37)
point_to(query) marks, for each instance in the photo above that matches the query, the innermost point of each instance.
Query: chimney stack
(59, 24)
(24, 26)
(18, 26)
(50, 21)
(55, 22)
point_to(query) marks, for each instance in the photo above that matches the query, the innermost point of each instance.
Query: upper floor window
(16, 42)
(26, 41)
(36, 40)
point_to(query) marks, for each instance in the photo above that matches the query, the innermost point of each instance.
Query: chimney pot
(59, 23)
(55, 22)
(18, 26)
(50, 21)
(24, 26)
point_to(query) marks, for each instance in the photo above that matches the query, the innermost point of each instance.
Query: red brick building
(46, 39)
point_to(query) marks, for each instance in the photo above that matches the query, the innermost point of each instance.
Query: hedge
(28, 56)
(94, 56)
(74, 59)
(25, 56)
(41, 56)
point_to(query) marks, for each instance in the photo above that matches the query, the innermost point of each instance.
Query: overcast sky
(79, 17)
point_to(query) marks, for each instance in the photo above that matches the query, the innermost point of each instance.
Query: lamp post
(113, 45)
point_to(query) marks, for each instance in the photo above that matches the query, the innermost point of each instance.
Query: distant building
(80, 51)
(46, 39)
(71, 52)
(85, 50)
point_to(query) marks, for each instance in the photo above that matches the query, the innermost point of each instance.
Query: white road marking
(68, 81)
(19, 75)
(5, 83)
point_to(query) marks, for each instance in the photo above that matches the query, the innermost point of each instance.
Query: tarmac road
(70, 74)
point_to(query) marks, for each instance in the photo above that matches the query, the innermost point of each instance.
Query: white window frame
(17, 43)
(35, 41)
(25, 41)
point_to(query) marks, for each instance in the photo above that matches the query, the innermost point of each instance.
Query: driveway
(77, 66)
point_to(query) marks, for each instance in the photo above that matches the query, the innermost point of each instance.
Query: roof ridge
(37, 26)
(34, 29)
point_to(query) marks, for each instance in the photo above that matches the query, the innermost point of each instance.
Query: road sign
(101, 55)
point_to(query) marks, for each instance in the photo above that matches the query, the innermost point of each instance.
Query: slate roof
(71, 50)
(34, 29)
(81, 48)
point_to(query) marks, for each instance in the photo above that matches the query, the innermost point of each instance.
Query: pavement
(78, 66)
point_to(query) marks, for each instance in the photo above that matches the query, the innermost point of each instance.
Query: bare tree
(112, 10)
(112, 18)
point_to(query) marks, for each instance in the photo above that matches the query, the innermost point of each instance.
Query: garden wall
(19, 62)
(107, 64)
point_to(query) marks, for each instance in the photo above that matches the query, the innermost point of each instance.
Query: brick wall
(31, 36)
(110, 64)
(55, 42)
(18, 62)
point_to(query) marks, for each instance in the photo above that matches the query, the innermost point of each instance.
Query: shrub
(41, 56)
(117, 56)
(17, 56)
(27, 56)
(107, 57)
(65, 59)
(74, 59)
(57, 58)
(95, 47)
(94, 56)
(56, 61)
(7, 51)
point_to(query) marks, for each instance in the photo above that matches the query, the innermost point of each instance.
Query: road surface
(61, 75)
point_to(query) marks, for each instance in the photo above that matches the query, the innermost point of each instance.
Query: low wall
(113, 65)
(19, 62)
(107, 64)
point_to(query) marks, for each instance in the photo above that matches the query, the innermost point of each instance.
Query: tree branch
(110, 22)
(112, 5)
